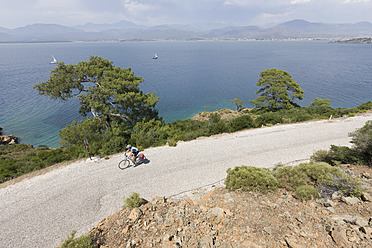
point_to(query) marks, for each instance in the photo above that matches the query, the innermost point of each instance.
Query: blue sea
(187, 77)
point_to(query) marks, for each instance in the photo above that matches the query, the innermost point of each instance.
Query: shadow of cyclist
(145, 161)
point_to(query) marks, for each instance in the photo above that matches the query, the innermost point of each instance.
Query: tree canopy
(109, 93)
(318, 103)
(278, 90)
(238, 103)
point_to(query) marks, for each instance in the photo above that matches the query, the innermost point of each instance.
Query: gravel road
(43, 210)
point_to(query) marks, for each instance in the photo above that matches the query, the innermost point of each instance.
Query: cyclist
(133, 152)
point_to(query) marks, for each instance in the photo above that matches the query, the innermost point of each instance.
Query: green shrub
(186, 130)
(337, 155)
(345, 112)
(296, 115)
(217, 128)
(134, 201)
(115, 144)
(328, 179)
(150, 133)
(344, 154)
(172, 142)
(362, 141)
(18, 159)
(269, 118)
(241, 122)
(360, 153)
(186, 125)
(291, 177)
(81, 242)
(306, 192)
(365, 106)
(345, 184)
(250, 178)
(74, 135)
(303, 117)
(320, 156)
(215, 125)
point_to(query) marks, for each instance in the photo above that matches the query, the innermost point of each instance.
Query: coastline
(38, 124)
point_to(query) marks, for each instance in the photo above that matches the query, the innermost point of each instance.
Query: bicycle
(126, 162)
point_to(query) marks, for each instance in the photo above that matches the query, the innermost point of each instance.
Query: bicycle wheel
(124, 164)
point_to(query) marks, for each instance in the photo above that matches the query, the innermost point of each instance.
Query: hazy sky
(17, 13)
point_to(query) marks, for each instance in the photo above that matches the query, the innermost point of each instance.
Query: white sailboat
(54, 60)
(155, 56)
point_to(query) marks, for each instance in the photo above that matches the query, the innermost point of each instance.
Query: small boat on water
(155, 56)
(54, 60)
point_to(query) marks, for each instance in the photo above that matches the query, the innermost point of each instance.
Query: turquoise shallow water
(187, 77)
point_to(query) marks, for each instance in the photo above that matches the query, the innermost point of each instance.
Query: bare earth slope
(43, 210)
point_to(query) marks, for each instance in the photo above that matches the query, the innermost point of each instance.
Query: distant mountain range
(126, 31)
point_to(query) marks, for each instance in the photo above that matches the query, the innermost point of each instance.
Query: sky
(263, 13)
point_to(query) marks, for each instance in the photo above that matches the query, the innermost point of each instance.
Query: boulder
(336, 196)
(367, 231)
(206, 242)
(366, 197)
(350, 200)
(339, 236)
(292, 244)
(135, 214)
(158, 200)
(8, 140)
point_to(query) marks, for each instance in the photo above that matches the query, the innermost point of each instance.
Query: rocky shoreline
(7, 139)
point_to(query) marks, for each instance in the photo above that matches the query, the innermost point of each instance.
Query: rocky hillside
(216, 217)
(126, 31)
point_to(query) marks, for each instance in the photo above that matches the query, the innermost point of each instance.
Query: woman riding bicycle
(133, 152)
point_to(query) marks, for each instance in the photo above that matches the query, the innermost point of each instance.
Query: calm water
(187, 77)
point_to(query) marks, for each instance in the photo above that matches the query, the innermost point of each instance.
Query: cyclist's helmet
(129, 146)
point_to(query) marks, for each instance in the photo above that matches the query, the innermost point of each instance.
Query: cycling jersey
(134, 149)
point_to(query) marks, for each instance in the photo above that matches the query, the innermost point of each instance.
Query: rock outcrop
(221, 218)
(8, 140)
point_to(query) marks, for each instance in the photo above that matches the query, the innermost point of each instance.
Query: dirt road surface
(41, 211)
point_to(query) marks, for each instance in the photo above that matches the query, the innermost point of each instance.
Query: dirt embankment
(219, 218)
